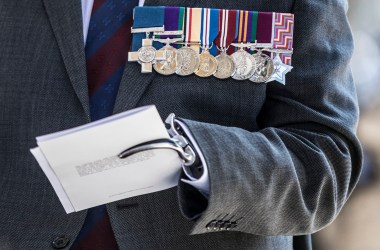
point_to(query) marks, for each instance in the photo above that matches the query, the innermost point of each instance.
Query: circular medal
(146, 54)
(168, 65)
(226, 66)
(207, 65)
(264, 68)
(187, 61)
(245, 65)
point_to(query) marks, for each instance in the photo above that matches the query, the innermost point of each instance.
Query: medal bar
(219, 43)
(147, 30)
(168, 33)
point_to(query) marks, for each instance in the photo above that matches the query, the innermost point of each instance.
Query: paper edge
(53, 179)
(93, 124)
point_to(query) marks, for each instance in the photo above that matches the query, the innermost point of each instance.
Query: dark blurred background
(358, 225)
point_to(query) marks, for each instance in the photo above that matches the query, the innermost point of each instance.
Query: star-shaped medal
(280, 70)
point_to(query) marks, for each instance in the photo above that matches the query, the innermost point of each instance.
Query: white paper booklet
(83, 167)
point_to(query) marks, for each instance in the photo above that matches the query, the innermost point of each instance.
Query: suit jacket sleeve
(293, 175)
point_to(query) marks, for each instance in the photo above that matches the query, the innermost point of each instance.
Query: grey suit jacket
(282, 159)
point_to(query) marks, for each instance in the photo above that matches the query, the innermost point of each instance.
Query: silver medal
(280, 70)
(226, 66)
(264, 68)
(168, 65)
(147, 55)
(245, 65)
(187, 61)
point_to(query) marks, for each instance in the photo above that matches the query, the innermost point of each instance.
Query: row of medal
(253, 61)
(241, 65)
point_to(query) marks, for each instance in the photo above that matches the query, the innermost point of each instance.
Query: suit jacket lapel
(132, 87)
(66, 21)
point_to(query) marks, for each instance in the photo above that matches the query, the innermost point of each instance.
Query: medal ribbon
(283, 26)
(233, 23)
(252, 26)
(146, 17)
(174, 20)
(264, 27)
(227, 24)
(210, 26)
(243, 26)
(193, 25)
(264, 30)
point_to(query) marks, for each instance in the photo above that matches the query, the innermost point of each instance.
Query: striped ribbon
(193, 27)
(210, 26)
(227, 28)
(174, 21)
(243, 26)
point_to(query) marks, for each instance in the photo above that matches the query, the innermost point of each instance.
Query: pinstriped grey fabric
(298, 170)
(286, 158)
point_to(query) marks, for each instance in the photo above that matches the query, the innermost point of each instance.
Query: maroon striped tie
(107, 45)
